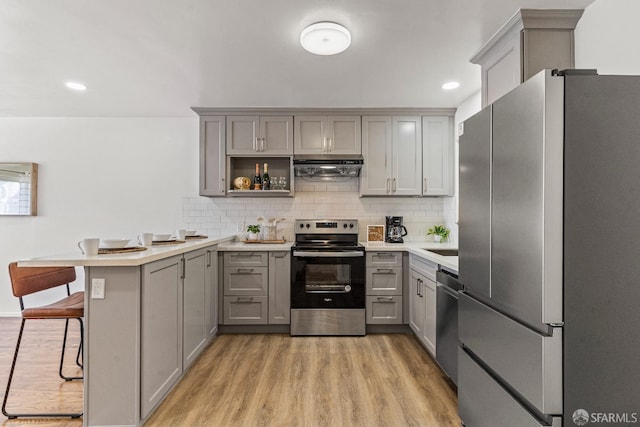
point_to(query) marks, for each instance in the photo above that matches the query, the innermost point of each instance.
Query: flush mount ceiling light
(325, 38)
(77, 86)
(450, 85)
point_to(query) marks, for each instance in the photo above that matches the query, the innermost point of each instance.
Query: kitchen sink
(444, 252)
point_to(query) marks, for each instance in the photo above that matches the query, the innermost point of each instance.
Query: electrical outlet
(97, 288)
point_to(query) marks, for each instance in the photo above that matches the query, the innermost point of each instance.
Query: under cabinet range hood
(327, 167)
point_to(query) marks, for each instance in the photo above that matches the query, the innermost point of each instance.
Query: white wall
(607, 36)
(467, 109)
(98, 177)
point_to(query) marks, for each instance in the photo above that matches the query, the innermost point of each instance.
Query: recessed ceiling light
(325, 38)
(76, 86)
(450, 85)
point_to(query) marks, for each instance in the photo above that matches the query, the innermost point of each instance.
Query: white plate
(114, 243)
(190, 233)
(161, 237)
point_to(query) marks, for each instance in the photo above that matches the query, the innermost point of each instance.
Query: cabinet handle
(388, 270)
(244, 300)
(244, 270)
(385, 299)
(394, 185)
(208, 258)
(262, 144)
(184, 268)
(388, 185)
(418, 287)
(255, 144)
(424, 188)
(330, 141)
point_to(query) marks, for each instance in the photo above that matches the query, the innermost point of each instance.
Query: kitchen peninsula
(157, 313)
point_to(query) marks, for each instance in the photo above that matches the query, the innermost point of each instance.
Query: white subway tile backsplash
(224, 216)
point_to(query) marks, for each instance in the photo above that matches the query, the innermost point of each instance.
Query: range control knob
(307, 225)
(301, 225)
(344, 225)
(350, 226)
(347, 288)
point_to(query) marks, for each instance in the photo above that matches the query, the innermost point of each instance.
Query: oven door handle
(323, 254)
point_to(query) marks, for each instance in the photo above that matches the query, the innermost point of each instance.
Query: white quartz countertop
(154, 253)
(228, 243)
(420, 249)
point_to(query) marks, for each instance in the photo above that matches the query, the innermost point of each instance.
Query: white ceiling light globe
(450, 85)
(325, 38)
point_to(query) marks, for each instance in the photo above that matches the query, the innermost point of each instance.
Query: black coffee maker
(395, 229)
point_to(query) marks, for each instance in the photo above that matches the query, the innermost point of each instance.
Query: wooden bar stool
(29, 280)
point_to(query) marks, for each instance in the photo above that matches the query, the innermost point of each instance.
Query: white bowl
(114, 243)
(161, 237)
(190, 233)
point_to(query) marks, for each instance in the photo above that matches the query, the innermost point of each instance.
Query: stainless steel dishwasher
(447, 343)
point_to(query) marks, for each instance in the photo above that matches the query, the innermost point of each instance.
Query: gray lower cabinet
(160, 330)
(256, 287)
(384, 287)
(422, 301)
(279, 287)
(179, 315)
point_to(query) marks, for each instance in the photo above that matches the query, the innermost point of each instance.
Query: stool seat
(69, 307)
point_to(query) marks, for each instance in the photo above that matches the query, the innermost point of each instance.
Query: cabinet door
(212, 156)
(211, 295)
(437, 156)
(242, 134)
(344, 135)
(375, 177)
(309, 135)
(416, 304)
(194, 302)
(406, 177)
(276, 135)
(160, 330)
(429, 331)
(279, 287)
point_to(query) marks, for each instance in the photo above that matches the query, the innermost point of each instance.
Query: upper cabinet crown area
(530, 41)
(406, 152)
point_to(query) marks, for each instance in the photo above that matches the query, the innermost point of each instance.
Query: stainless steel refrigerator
(549, 321)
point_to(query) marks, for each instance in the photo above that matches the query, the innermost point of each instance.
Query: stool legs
(64, 344)
(6, 393)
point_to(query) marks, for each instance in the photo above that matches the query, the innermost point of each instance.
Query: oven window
(326, 277)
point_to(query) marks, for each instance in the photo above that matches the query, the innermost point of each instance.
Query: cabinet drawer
(384, 281)
(384, 259)
(384, 309)
(243, 259)
(250, 310)
(484, 402)
(423, 266)
(246, 281)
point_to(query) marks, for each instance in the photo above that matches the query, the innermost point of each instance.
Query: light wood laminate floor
(259, 380)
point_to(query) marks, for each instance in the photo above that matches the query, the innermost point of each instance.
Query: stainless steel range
(327, 278)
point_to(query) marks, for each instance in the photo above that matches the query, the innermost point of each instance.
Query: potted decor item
(253, 231)
(440, 233)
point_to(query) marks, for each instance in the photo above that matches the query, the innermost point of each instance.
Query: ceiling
(161, 57)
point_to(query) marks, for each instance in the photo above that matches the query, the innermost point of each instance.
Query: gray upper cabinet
(212, 156)
(392, 150)
(327, 135)
(437, 156)
(264, 135)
